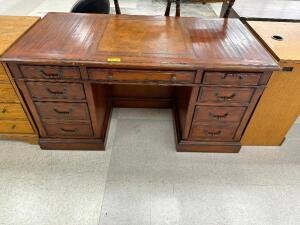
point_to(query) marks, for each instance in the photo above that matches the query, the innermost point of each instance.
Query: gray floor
(140, 179)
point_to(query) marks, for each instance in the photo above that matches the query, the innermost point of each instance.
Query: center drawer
(222, 95)
(141, 75)
(46, 90)
(63, 110)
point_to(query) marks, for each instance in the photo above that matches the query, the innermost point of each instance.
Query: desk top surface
(141, 41)
(268, 9)
(12, 27)
(287, 49)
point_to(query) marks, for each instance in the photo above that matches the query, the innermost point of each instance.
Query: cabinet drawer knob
(174, 78)
(214, 134)
(62, 112)
(218, 117)
(110, 77)
(225, 98)
(68, 130)
(13, 126)
(4, 110)
(57, 92)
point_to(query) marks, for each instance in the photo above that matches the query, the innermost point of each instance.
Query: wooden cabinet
(15, 120)
(171, 64)
(279, 106)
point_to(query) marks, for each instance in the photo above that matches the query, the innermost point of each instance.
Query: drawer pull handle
(218, 117)
(4, 111)
(238, 76)
(51, 76)
(62, 112)
(57, 92)
(68, 130)
(173, 78)
(110, 77)
(214, 134)
(225, 98)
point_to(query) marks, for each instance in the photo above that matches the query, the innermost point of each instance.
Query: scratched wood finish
(15, 121)
(168, 42)
(279, 106)
(103, 61)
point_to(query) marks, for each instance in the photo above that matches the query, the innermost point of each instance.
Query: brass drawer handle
(59, 75)
(238, 76)
(174, 78)
(4, 110)
(56, 92)
(214, 134)
(68, 130)
(218, 117)
(62, 112)
(225, 98)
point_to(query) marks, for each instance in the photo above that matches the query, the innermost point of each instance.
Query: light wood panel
(287, 49)
(278, 109)
(15, 121)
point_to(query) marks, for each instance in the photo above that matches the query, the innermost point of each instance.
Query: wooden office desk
(73, 68)
(264, 10)
(279, 106)
(15, 121)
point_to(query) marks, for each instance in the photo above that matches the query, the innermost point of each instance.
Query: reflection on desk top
(268, 9)
(141, 41)
(282, 38)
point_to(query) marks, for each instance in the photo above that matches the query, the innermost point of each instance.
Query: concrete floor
(140, 179)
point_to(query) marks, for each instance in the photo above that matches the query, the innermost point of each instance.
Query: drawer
(68, 129)
(15, 127)
(44, 90)
(3, 75)
(231, 78)
(12, 111)
(220, 113)
(50, 72)
(7, 93)
(225, 95)
(141, 75)
(213, 132)
(63, 110)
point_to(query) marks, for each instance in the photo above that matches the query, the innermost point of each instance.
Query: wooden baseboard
(29, 138)
(72, 144)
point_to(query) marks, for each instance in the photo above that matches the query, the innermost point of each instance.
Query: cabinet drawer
(68, 129)
(16, 127)
(3, 75)
(141, 75)
(213, 132)
(225, 95)
(44, 90)
(7, 93)
(63, 110)
(231, 78)
(50, 72)
(220, 113)
(12, 111)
